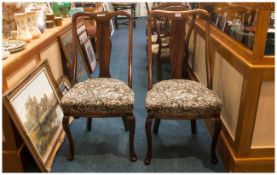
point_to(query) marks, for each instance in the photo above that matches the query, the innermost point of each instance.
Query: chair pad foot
(70, 158)
(147, 161)
(134, 158)
(214, 160)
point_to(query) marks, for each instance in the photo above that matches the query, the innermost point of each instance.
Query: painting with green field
(38, 110)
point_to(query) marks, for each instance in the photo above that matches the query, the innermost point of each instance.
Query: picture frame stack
(87, 47)
(83, 72)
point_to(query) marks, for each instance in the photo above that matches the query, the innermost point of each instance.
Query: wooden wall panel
(192, 42)
(240, 83)
(53, 55)
(21, 73)
(13, 161)
(199, 66)
(227, 83)
(263, 135)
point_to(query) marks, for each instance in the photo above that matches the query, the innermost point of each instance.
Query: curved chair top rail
(103, 41)
(175, 15)
(173, 7)
(162, 6)
(177, 45)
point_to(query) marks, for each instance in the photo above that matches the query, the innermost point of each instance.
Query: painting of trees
(42, 121)
(34, 108)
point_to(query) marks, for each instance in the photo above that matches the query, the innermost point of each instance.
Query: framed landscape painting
(35, 110)
(67, 48)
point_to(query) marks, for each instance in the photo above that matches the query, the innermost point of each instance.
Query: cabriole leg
(65, 123)
(148, 127)
(217, 128)
(132, 125)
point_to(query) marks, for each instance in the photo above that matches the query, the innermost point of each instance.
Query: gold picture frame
(34, 109)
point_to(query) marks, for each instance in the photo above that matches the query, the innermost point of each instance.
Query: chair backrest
(179, 41)
(167, 26)
(103, 41)
(168, 7)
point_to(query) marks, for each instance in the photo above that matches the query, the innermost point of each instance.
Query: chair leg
(156, 126)
(132, 125)
(125, 123)
(193, 127)
(89, 120)
(148, 127)
(217, 129)
(65, 123)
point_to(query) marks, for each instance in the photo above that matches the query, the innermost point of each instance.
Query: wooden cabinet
(244, 81)
(17, 67)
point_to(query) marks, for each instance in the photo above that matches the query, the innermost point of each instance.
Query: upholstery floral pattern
(178, 96)
(104, 95)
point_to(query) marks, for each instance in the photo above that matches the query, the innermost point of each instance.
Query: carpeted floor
(105, 148)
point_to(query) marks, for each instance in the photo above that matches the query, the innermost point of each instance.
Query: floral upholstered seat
(178, 96)
(105, 95)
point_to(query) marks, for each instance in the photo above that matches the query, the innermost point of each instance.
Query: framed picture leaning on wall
(81, 29)
(89, 55)
(83, 36)
(64, 85)
(34, 109)
(67, 48)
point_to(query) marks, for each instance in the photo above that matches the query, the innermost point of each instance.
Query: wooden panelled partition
(244, 81)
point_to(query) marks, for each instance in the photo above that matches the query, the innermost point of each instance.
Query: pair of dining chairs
(169, 99)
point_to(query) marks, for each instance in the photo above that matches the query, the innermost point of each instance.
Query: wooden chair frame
(166, 33)
(177, 49)
(103, 48)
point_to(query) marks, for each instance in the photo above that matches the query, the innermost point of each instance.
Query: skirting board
(234, 164)
(13, 161)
